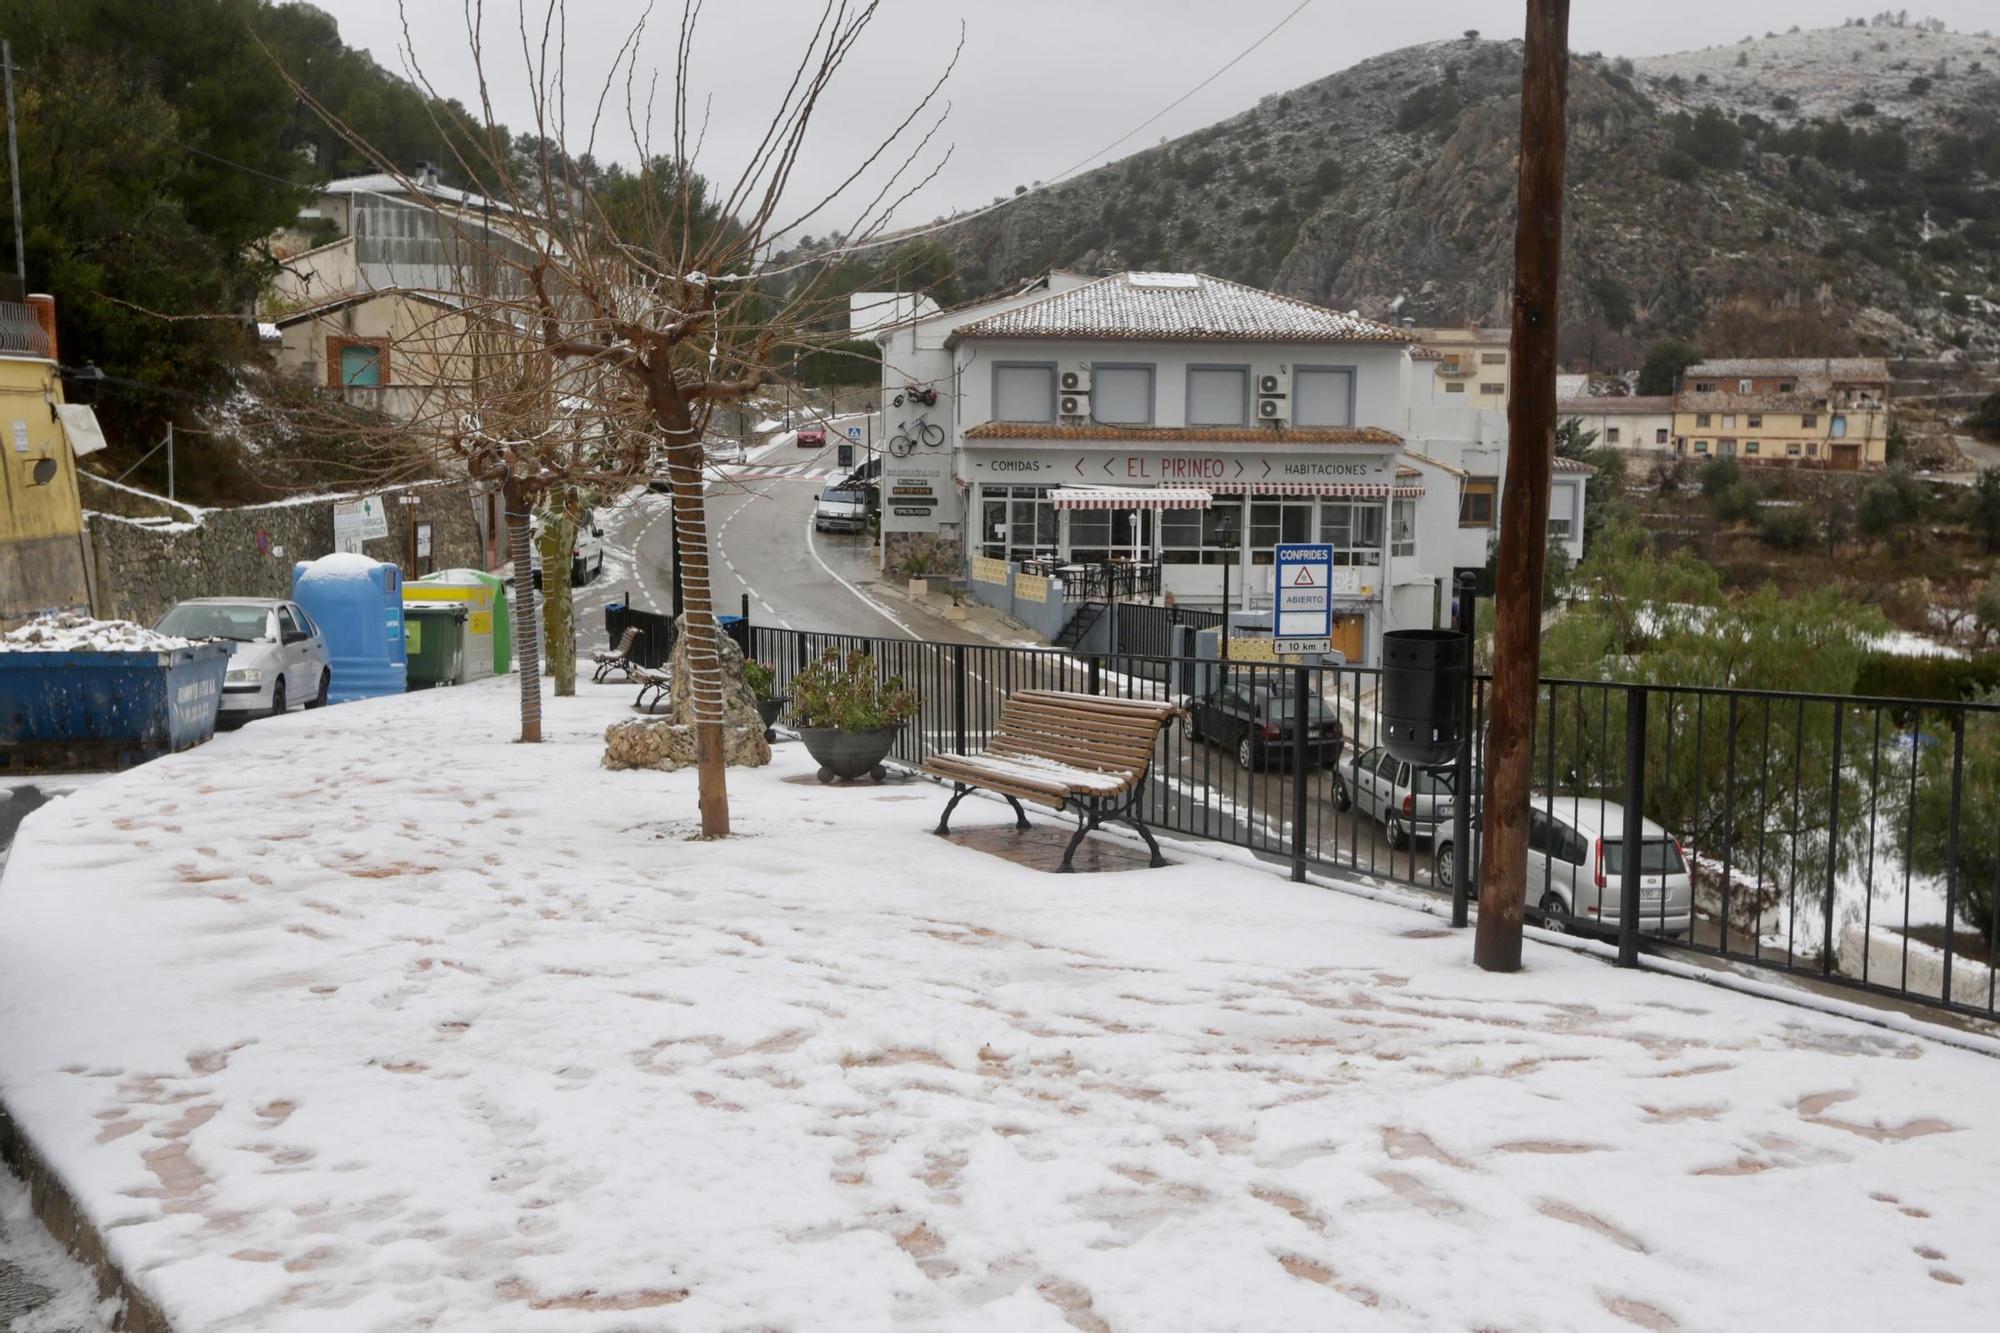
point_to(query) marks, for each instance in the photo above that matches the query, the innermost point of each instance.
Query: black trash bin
(1424, 674)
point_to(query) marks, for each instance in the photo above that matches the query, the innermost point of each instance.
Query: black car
(1258, 722)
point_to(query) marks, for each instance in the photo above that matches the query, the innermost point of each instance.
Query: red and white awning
(1353, 490)
(1129, 497)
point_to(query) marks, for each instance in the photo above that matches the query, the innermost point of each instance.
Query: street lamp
(1225, 539)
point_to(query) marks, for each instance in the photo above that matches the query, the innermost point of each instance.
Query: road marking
(812, 547)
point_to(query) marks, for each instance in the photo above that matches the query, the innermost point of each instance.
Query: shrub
(1985, 419)
(1788, 529)
(1862, 108)
(1719, 475)
(761, 677)
(1737, 503)
(1946, 679)
(843, 691)
(1677, 165)
(1890, 505)
(1919, 86)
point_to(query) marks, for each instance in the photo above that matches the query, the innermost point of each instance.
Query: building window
(1454, 388)
(1611, 434)
(1218, 395)
(1097, 535)
(1839, 425)
(1492, 388)
(361, 363)
(1190, 536)
(1476, 501)
(1701, 446)
(1808, 422)
(1743, 386)
(1785, 386)
(1492, 358)
(1750, 448)
(1403, 528)
(1322, 396)
(1701, 419)
(1704, 388)
(1353, 528)
(1792, 450)
(1562, 512)
(1726, 448)
(1660, 435)
(1024, 392)
(1753, 421)
(1274, 521)
(1729, 421)
(1812, 448)
(1121, 395)
(1016, 522)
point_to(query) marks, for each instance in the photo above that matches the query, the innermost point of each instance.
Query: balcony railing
(20, 332)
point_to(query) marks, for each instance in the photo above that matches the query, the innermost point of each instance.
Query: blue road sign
(1304, 592)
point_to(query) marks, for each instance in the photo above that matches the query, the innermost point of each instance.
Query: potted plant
(917, 567)
(848, 716)
(762, 678)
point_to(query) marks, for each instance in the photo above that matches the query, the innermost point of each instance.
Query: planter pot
(920, 587)
(955, 612)
(845, 755)
(768, 710)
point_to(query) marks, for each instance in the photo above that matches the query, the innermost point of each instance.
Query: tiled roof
(1437, 463)
(1815, 399)
(1836, 367)
(1177, 307)
(1574, 465)
(1048, 430)
(1571, 407)
(1404, 472)
(1418, 352)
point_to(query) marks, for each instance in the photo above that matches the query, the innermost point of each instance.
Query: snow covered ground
(370, 1019)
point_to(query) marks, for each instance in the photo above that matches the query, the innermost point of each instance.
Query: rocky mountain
(1833, 186)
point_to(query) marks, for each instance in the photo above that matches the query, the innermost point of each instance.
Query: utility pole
(14, 167)
(170, 460)
(1524, 496)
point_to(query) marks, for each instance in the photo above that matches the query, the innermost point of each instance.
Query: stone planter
(920, 587)
(846, 755)
(955, 612)
(768, 710)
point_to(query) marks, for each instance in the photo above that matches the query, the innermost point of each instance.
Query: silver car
(1405, 798)
(1576, 866)
(277, 656)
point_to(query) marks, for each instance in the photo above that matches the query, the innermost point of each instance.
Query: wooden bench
(1081, 752)
(617, 659)
(655, 681)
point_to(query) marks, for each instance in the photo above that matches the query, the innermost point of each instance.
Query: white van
(1576, 865)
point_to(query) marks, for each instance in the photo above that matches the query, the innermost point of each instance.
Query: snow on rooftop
(1176, 307)
(404, 1025)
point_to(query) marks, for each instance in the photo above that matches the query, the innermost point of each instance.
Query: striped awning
(1129, 497)
(1353, 490)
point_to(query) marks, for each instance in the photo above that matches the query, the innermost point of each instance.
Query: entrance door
(1347, 640)
(1847, 457)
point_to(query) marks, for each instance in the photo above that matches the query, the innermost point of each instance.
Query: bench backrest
(1109, 735)
(626, 640)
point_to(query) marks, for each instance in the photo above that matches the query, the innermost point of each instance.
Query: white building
(1642, 426)
(1197, 423)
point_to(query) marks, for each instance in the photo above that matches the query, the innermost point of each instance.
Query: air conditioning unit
(1272, 409)
(1072, 405)
(1074, 378)
(1271, 384)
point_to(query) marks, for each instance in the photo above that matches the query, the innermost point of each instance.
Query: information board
(1304, 587)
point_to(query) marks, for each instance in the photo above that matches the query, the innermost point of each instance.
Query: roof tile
(1177, 307)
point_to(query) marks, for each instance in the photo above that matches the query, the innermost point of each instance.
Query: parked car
(863, 475)
(812, 437)
(1258, 721)
(841, 510)
(277, 655)
(586, 552)
(1405, 798)
(1576, 866)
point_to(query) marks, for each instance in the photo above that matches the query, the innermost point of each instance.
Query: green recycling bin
(434, 633)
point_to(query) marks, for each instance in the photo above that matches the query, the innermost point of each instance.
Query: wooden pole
(1524, 495)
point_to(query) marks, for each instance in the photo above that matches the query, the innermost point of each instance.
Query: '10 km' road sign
(1304, 585)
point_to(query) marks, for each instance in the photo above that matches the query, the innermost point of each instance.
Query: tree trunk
(704, 653)
(1524, 497)
(527, 638)
(558, 603)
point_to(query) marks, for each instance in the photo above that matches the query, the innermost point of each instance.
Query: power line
(897, 238)
(203, 152)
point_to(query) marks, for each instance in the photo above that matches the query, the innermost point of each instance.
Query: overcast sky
(1041, 84)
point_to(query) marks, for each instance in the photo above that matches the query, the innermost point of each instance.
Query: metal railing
(1099, 581)
(1850, 839)
(20, 332)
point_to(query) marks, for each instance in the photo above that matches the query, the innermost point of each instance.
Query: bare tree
(588, 327)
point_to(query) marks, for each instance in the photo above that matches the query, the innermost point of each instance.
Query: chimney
(426, 175)
(43, 307)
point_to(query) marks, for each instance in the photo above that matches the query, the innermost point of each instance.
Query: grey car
(1576, 866)
(278, 657)
(1405, 798)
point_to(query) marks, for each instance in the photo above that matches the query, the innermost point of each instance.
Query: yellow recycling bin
(486, 649)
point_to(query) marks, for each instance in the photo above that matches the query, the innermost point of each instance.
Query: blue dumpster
(64, 711)
(358, 603)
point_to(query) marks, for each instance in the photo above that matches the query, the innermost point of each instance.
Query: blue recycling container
(358, 604)
(65, 711)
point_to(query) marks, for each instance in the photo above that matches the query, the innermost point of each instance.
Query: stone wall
(149, 553)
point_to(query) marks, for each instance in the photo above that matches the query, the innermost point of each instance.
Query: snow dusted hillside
(1821, 73)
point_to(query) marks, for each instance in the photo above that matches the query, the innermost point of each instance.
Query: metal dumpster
(64, 711)
(434, 633)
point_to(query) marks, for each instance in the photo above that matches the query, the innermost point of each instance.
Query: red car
(812, 437)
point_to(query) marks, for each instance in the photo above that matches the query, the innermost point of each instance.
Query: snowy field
(369, 1019)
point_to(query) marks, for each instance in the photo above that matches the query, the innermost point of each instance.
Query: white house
(1636, 425)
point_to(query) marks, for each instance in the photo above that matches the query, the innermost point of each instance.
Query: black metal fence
(1855, 840)
(656, 632)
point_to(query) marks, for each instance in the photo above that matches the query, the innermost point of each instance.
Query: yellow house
(1469, 364)
(42, 566)
(1821, 412)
